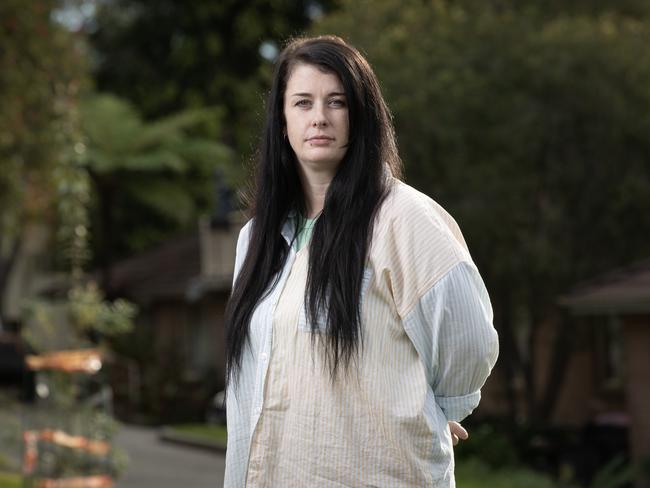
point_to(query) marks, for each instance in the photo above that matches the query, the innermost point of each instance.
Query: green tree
(165, 56)
(42, 73)
(531, 127)
(147, 177)
(41, 70)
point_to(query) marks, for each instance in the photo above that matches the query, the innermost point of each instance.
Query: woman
(358, 325)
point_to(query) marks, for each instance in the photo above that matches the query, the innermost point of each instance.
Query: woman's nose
(319, 120)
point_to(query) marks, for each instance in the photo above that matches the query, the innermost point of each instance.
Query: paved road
(158, 464)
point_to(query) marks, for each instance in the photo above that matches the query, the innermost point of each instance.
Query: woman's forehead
(305, 77)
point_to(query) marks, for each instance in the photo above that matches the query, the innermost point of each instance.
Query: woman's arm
(451, 326)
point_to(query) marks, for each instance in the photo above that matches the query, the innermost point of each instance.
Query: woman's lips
(320, 140)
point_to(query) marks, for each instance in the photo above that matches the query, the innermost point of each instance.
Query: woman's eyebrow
(305, 94)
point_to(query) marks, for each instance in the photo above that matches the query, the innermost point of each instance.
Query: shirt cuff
(456, 408)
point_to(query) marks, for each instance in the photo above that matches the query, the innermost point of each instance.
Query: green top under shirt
(304, 234)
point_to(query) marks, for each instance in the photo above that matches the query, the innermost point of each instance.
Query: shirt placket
(270, 305)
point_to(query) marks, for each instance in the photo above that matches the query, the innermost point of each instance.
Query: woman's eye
(302, 103)
(337, 102)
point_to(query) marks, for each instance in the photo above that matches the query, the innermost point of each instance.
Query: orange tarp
(77, 361)
(31, 438)
(100, 481)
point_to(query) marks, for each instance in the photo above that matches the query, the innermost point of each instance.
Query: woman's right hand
(457, 432)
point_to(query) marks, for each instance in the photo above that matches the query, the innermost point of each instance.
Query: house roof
(622, 291)
(185, 268)
(169, 271)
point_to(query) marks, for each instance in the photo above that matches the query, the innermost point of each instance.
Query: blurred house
(177, 350)
(617, 306)
(590, 368)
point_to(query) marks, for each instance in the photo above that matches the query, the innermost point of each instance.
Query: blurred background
(128, 130)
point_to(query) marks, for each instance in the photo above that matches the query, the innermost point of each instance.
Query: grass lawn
(473, 473)
(10, 480)
(208, 432)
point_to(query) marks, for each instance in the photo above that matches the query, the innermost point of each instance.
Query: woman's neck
(314, 187)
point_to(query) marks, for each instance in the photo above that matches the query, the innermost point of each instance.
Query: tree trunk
(105, 190)
(562, 349)
(6, 266)
(530, 379)
(509, 356)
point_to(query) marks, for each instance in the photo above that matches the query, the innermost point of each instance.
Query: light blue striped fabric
(422, 292)
(448, 330)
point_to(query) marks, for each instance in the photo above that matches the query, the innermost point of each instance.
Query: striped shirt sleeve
(441, 299)
(451, 328)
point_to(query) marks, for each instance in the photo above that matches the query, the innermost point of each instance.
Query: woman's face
(316, 117)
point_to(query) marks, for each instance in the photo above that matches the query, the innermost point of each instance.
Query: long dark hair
(342, 234)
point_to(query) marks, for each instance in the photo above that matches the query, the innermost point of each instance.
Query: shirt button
(264, 356)
(258, 410)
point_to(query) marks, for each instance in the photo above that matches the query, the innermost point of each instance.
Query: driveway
(158, 464)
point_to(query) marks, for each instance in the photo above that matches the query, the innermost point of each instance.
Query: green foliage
(147, 175)
(489, 443)
(71, 323)
(615, 474)
(42, 177)
(10, 439)
(118, 139)
(530, 126)
(88, 310)
(45, 327)
(474, 473)
(509, 120)
(71, 400)
(170, 56)
(216, 433)
(77, 419)
(10, 480)
(41, 71)
(37, 62)
(73, 199)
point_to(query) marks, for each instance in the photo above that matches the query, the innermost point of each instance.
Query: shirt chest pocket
(305, 326)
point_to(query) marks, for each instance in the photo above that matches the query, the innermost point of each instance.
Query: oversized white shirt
(428, 347)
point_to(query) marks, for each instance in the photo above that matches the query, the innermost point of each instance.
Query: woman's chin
(321, 162)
